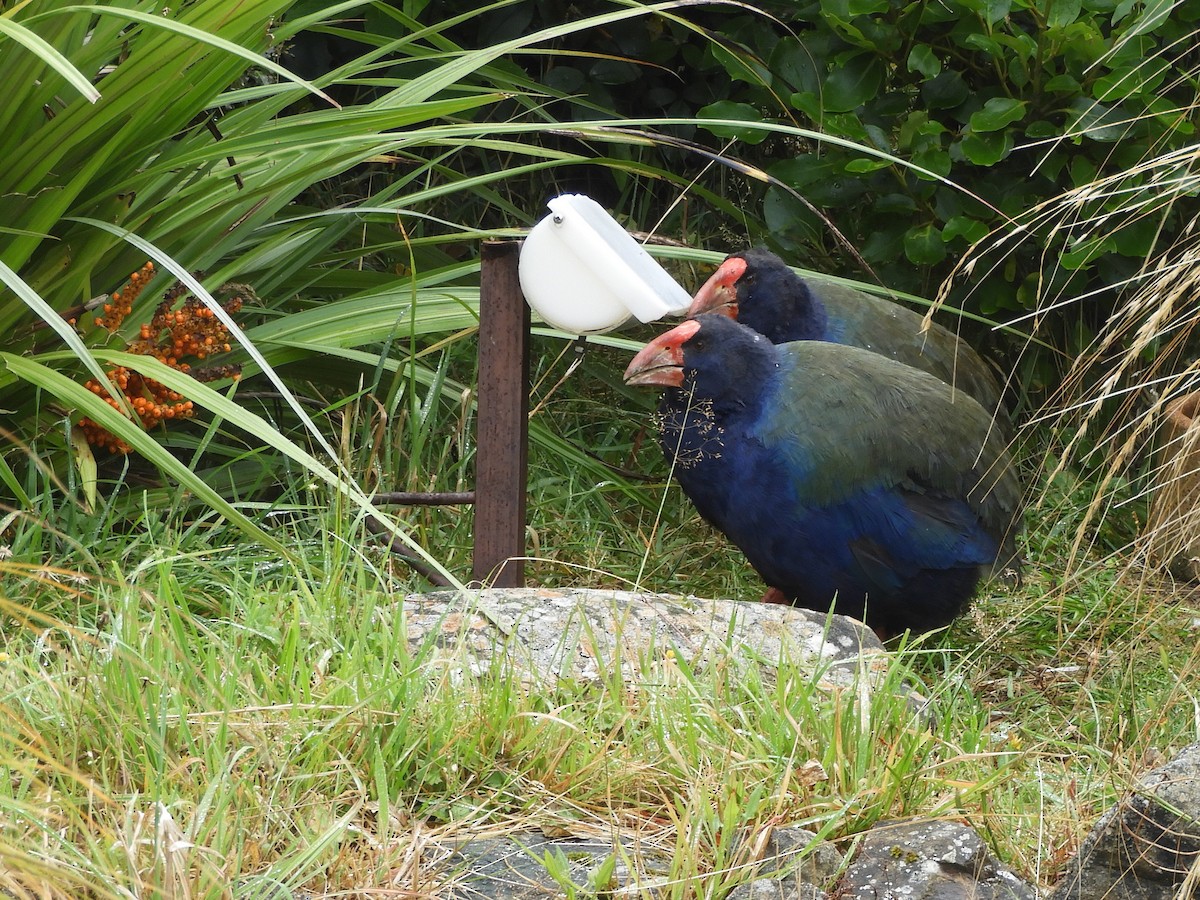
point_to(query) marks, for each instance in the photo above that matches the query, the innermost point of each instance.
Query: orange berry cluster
(192, 330)
(122, 301)
(151, 401)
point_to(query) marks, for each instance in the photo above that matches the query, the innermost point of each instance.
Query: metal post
(502, 430)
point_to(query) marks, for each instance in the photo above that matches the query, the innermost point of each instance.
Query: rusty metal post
(502, 429)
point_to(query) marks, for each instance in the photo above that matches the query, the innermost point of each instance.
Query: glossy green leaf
(808, 103)
(1154, 13)
(986, 149)
(965, 227)
(1085, 251)
(1062, 84)
(996, 10)
(861, 166)
(1128, 80)
(945, 91)
(924, 246)
(984, 43)
(1137, 239)
(1040, 129)
(845, 10)
(741, 66)
(866, 7)
(1061, 13)
(922, 59)
(997, 113)
(1097, 121)
(855, 81)
(1122, 10)
(797, 64)
(935, 159)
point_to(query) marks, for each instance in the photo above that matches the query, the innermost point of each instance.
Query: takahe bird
(758, 289)
(837, 471)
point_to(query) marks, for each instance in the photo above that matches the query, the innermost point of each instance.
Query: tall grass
(204, 155)
(206, 718)
(189, 714)
(291, 735)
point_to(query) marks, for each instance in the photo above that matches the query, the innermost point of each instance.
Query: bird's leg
(775, 595)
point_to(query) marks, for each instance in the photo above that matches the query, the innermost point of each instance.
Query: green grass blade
(50, 56)
(61, 327)
(76, 396)
(203, 37)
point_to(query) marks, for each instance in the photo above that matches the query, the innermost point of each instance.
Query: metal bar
(425, 498)
(502, 425)
(400, 549)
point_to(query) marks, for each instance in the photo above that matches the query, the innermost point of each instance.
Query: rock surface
(792, 865)
(928, 860)
(1144, 847)
(526, 865)
(582, 633)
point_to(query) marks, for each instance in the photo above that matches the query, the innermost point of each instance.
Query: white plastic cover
(584, 274)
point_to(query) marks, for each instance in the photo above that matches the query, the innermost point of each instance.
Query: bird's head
(661, 360)
(720, 293)
(755, 287)
(712, 352)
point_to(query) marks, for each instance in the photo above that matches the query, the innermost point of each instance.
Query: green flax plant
(343, 209)
(175, 135)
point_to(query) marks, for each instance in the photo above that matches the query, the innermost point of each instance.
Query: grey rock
(798, 853)
(527, 864)
(1143, 847)
(791, 863)
(583, 634)
(515, 867)
(777, 889)
(928, 860)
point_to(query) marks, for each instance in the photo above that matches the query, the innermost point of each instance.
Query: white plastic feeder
(584, 274)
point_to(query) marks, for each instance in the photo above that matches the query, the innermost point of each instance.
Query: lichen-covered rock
(1143, 847)
(583, 633)
(792, 865)
(928, 860)
(777, 889)
(528, 865)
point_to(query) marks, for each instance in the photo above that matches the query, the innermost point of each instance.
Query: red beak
(719, 293)
(661, 360)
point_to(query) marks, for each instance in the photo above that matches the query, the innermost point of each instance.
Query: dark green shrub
(1014, 102)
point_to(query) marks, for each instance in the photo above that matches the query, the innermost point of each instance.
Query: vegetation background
(206, 689)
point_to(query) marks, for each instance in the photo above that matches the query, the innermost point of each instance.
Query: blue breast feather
(840, 526)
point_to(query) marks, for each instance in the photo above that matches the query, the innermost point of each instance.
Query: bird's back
(862, 320)
(860, 477)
